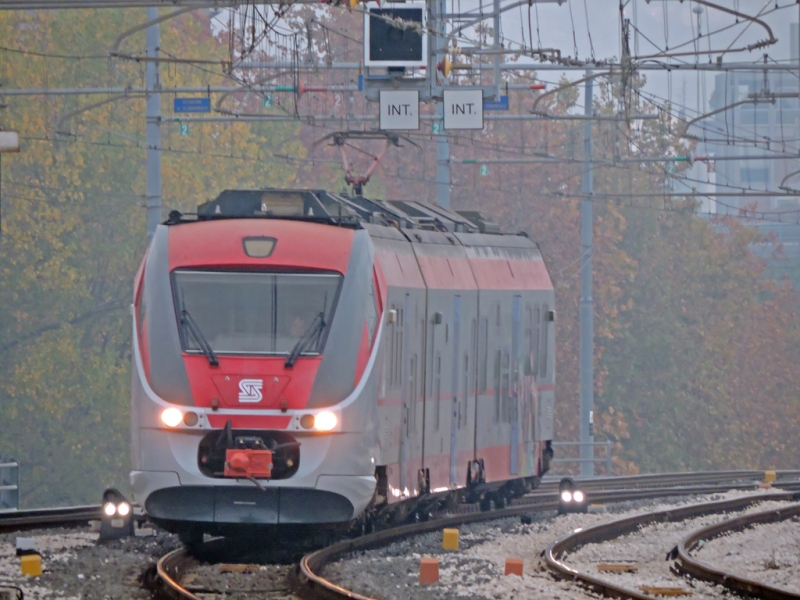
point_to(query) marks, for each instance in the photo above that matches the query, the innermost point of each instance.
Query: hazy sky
(662, 24)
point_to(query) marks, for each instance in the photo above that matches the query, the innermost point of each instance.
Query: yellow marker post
(31, 565)
(450, 539)
(770, 476)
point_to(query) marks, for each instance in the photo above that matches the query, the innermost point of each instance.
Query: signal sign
(184, 129)
(484, 170)
(399, 109)
(463, 109)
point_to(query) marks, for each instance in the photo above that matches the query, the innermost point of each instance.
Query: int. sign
(399, 109)
(463, 109)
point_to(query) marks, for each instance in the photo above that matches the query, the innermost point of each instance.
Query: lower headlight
(578, 496)
(325, 421)
(566, 496)
(123, 509)
(172, 417)
(109, 509)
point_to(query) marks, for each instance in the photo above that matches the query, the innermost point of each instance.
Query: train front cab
(251, 398)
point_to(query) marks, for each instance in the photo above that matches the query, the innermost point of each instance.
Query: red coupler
(248, 463)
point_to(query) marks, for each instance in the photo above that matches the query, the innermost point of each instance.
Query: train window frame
(183, 334)
(372, 317)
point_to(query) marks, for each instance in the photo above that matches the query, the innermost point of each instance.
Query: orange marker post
(514, 566)
(428, 571)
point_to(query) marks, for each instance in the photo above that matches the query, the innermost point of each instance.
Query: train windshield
(254, 313)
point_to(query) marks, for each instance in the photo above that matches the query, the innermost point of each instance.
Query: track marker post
(514, 566)
(450, 539)
(428, 571)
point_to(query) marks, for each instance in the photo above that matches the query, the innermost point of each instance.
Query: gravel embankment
(767, 553)
(476, 570)
(647, 549)
(76, 567)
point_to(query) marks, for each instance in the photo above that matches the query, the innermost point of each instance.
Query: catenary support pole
(442, 143)
(153, 114)
(587, 308)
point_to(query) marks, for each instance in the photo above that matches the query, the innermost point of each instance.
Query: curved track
(314, 585)
(597, 490)
(700, 570)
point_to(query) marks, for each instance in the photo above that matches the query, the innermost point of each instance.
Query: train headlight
(307, 421)
(325, 421)
(172, 417)
(190, 419)
(109, 509)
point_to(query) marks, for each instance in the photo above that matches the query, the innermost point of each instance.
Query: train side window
(372, 312)
(534, 348)
(462, 421)
(398, 350)
(545, 340)
(412, 388)
(483, 355)
(526, 343)
(497, 367)
(437, 388)
(505, 386)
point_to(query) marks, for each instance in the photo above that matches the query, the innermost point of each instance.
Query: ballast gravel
(766, 553)
(77, 567)
(257, 581)
(476, 570)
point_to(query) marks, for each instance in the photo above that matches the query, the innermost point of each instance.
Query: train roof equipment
(337, 209)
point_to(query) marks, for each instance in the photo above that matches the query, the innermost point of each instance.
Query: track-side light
(570, 497)
(117, 516)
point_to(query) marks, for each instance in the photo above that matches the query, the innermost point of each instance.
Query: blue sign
(191, 105)
(501, 104)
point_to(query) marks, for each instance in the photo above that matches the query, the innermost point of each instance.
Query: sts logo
(250, 390)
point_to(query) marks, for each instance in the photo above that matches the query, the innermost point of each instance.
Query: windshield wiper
(316, 328)
(191, 326)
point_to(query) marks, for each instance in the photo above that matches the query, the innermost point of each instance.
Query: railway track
(173, 567)
(690, 565)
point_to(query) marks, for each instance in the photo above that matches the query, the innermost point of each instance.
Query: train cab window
(535, 340)
(254, 313)
(483, 357)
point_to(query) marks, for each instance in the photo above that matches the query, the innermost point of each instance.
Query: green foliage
(74, 233)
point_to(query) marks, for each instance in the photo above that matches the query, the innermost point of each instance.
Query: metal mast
(442, 142)
(153, 83)
(587, 308)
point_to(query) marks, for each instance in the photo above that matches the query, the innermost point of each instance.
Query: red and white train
(300, 357)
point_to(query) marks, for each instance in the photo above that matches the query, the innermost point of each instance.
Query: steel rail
(70, 516)
(312, 565)
(600, 533)
(170, 570)
(686, 563)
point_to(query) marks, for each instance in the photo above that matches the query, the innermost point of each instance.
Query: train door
(454, 422)
(516, 322)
